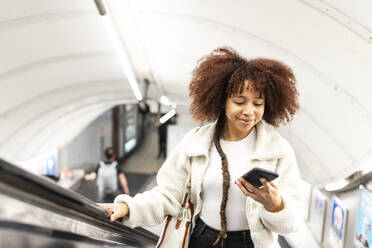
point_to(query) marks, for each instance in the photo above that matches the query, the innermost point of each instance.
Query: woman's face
(243, 111)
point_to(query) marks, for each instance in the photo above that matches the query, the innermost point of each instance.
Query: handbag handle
(187, 193)
(186, 205)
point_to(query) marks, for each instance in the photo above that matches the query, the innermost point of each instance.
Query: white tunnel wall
(58, 74)
(332, 63)
(59, 69)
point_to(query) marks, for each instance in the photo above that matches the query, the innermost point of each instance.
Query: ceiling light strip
(122, 54)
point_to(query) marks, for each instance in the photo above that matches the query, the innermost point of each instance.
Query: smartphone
(253, 176)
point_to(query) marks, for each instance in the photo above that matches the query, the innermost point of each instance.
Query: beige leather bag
(177, 230)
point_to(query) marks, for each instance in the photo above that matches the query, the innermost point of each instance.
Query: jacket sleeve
(152, 207)
(289, 218)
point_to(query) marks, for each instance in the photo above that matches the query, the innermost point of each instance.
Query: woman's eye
(258, 104)
(239, 103)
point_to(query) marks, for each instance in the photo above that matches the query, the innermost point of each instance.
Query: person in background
(107, 174)
(162, 132)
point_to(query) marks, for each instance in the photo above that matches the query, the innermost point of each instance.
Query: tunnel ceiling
(59, 69)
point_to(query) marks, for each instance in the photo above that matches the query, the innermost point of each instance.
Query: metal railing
(34, 200)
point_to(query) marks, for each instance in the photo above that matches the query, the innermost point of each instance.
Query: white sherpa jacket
(272, 152)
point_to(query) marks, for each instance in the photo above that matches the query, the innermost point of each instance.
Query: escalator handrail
(48, 191)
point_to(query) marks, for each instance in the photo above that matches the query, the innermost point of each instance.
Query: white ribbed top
(238, 155)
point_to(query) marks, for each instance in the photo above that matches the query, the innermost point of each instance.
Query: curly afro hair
(223, 73)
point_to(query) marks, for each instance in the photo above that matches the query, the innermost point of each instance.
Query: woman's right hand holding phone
(115, 210)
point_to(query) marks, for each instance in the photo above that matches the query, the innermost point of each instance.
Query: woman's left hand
(267, 195)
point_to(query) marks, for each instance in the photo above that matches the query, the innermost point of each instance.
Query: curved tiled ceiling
(60, 69)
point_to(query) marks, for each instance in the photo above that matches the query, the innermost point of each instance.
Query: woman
(240, 94)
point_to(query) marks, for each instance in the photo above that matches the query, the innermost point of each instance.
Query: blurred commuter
(108, 175)
(246, 98)
(162, 133)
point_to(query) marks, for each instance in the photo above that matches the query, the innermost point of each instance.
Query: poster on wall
(317, 214)
(51, 164)
(336, 233)
(363, 230)
(130, 127)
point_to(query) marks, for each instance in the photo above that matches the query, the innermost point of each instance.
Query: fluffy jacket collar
(269, 144)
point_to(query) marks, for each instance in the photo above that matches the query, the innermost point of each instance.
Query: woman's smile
(246, 122)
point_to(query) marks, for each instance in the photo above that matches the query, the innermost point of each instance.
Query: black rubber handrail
(32, 185)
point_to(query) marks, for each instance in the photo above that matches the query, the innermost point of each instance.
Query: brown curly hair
(223, 73)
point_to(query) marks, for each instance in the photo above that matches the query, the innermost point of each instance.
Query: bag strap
(186, 200)
(187, 192)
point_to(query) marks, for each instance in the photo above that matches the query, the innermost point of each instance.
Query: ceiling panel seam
(341, 18)
(42, 147)
(304, 166)
(355, 165)
(54, 60)
(42, 18)
(56, 136)
(54, 92)
(61, 91)
(298, 139)
(50, 124)
(326, 133)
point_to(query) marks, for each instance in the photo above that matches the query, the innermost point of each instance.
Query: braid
(225, 174)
